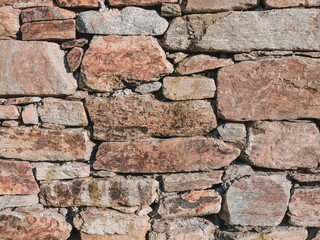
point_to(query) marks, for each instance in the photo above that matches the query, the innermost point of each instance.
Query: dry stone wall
(160, 119)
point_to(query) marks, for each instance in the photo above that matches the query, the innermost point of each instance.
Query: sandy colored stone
(200, 63)
(74, 43)
(45, 14)
(232, 132)
(291, 3)
(37, 144)
(34, 68)
(115, 119)
(259, 200)
(122, 3)
(127, 21)
(283, 145)
(148, 87)
(122, 58)
(47, 171)
(165, 155)
(305, 177)
(112, 192)
(9, 22)
(304, 207)
(49, 30)
(78, 3)
(272, 89)
(195, 203)
(170, 10)
(58, 111)
(292, 30)
(187, 88)
(78, 95)
(30, 114)
(74, 58)
(9, 112)
(12, 201)
(22, 100)
(26, 3)
(17, 178)
(10, 123)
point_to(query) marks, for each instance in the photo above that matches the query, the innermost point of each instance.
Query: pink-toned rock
(30, 114)
(36, 144)
(74, 43)
(53, 126)
(305, 177)
(49, 30)
(277, 89)
(10, 123)
(113, 59)
(122, 3)
(33, 224)
(304, 207)
(78, 3)
(291, 3)
(9, 22)
(195, 203)
(17, 178)
(9, 112)
(283, 145)
(200, 63)
(45, 14)
(259, 200)
(78, 95)
(26, 3)
(116, 119)
(22, 100)
(74, 58)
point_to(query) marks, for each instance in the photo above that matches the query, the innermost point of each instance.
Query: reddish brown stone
(122, 3)
(78, 3)
(305, 177)
(74, 43)
(9, 22)
(9, 112)
(49, 30)
(290, 3)
(74, 58)
(17, 178)
(111, 59)
(141, 116)
(10, 123)
(53, 126)
(277, 89)
(22, 100)
(283, 145)
(45, 13)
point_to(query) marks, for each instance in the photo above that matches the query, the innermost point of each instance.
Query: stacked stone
(193, 119)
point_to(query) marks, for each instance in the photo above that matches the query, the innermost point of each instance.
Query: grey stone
(148, 87)
(232, 132)
(10, 201)
(170, 10)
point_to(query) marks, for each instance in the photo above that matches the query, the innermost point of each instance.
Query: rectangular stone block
(45, 14)
(26, 3)
(13, 201)
(9, 112)
(122, 3)
(290, 3)
(47, 171)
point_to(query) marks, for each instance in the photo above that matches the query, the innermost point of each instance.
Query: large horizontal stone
(283, 145)
(304, 207)
(259, 200)
(12, 201)
(128, 21)
(26, 3)
(17, 178)
(45, 13)
(113, 192)
(22, 100)
(170, 155)
(277, 89)
(292, 29)
(141, 116)
(78, 3)
(36, 144)
(34, 68)
(9, 22)
(47, 171)
(305, 177)
(122, 3)
(9, 112)
(111, 59)
(290, 3)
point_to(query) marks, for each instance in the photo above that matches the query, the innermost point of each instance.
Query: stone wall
(159, 119)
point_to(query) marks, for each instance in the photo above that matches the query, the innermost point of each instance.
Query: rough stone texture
(291, 3)
(129, 58)
(200, 63)
(195, 203)
(236, 171)
(34, 224)
(115, 119)
(9, 112)
(10, 123)
(170, 10)
(122, 3)
(258, 55)
(113, 192)
(36, 144)
(190, 181)
(47, 171)
(11, 201)
(259, 200)
(78, 3)
(27, 3)
(187, 88)
(22, 100)
(304, 207)
(189, 228)
(277, 89)
(113, 224)
(78, 95)
(74, 58)
(232, 132)
(30, 114)
(283, 145)
(74, 43)
(9, 22)
(45, 13)
(287, 29)
(35, 68)
(148, 87)
(58, 111)
(170, 155)
(49, 30)
(128, 21)
(305, 177)
(177, 56)
(17, 178)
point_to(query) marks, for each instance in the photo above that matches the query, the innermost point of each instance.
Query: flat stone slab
(13, 201)
(45, 14)
(122, 3)
(48, 171)
(78, 3)
(291, 3)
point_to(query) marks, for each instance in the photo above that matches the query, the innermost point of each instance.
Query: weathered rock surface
(176, 57)
(36, 144)
(128, 58)
(9, 112)
(30, 114)
(190, 181)
(26, 3)
(74, 58)
(200, 63)
(58, 111)
(128, 21)
(292, 29)
(170, 10)
(78, 3)
(291, 3)
(74, 43)
(170, 155)
(33, 68)
(12, 201)
(259, 200)
(277, 89)
(148, 87)
(22, 100)
(10, 123)
(283, 145)
(49, 30)
(122, 3)
(9, 22)
(47, 171)
(187, 88)
(113, 192)
(115, 119)
(236, 171)
(304, 207)
(305, 177)
(45, 14)
(232, 132)
(53, 126)
(195, 203)
(17, 178)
